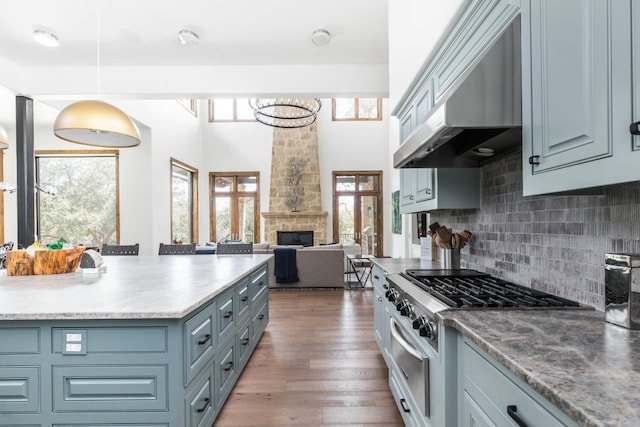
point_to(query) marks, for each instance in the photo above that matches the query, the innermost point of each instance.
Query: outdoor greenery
(181, 205)
(83, 209)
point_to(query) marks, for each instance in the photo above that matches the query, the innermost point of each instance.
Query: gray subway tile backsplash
(554, 243)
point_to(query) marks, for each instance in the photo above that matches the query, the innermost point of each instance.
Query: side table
(360, 265)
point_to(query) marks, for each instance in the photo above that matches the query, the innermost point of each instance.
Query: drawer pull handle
(379, 298)
(228, 366)
(404, 405)
(375, 276)
(228, 314)
(245, 341)
(261, 317)
(260, 283)
(512, 410)
(385, 286)
(204, 341)
(206, 404)
(245, 299)
(634, 128)
(534, 160)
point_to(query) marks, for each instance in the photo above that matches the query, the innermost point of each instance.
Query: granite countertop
(133, 287)
(398, 265)
(588, 368)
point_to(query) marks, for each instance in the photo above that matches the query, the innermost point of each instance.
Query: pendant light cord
(98, 50)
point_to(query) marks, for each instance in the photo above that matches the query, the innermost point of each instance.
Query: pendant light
(4, 138)
(96, 122)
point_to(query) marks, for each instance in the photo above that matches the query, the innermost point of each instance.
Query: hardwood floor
(317, 365)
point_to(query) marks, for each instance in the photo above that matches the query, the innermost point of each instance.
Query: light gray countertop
(133, 287)
(588, 368)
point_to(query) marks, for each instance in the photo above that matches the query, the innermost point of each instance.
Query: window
(190, 104)
(235, 205)
(230, 110)
(184, 203)
(78, 197)
(356, 109)
(357, 209)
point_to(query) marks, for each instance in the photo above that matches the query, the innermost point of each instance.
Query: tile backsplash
(553, 243)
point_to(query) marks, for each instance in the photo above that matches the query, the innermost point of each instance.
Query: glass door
(357, 213)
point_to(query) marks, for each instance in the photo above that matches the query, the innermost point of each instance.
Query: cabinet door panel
(424, 184)
(571, 99)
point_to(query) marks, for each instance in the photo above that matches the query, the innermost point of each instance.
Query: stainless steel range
(417, 346)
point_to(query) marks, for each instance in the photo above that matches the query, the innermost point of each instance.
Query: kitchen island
(153, 341)
(569, 360)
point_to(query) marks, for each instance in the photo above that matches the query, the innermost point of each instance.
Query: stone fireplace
(299, 147)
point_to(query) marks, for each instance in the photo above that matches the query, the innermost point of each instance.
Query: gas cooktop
(472, 289)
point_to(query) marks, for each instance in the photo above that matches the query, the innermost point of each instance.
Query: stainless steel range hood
(478, 119)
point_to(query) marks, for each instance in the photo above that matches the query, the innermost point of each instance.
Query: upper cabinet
(580, 94)
(427, 189)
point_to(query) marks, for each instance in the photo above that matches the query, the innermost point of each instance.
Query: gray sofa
(318, 267)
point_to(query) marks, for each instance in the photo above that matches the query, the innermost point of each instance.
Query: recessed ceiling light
(188, 37)
(45, 38)
(321, 37)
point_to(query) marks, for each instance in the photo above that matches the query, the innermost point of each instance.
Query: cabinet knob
(534, 160)
(634, 128)
(206, 404)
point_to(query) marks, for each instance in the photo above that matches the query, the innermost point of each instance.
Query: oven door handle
(399, 336)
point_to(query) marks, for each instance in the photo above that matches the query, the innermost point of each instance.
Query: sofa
(318, 266)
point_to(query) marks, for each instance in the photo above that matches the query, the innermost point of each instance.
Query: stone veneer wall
(553, 243)
(295, 143)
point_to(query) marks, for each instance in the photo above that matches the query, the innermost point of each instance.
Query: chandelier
(287, 113)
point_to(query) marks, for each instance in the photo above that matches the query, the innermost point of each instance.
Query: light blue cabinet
(578, 99)
(429, 189)
(142, 372)
(490, 395)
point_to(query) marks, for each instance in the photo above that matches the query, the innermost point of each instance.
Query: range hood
(478, 119)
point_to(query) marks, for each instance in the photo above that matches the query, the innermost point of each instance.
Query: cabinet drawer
(492, 391)
(19, 389)
(226, 371)
(259, 284)
(243, 300)
(226, 315)
(200, 401)
(244, 344)
(259, 321)
(113, 340)
(109, 388)
(19, 340)
(200, 341)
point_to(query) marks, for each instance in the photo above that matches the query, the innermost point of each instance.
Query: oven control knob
(392, 295)
(429, 330)
(419, 322)
(405, 308)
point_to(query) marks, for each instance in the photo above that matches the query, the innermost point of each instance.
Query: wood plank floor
(317, 365)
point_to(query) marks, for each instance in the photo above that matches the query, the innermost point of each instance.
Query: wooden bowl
(57, 261)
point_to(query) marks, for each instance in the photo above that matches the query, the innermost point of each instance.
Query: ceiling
(231, 32)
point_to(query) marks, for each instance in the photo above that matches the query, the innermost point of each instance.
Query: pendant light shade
(96, 123)
(4, 138)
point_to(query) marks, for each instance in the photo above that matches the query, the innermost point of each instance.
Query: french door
(357, 209)
(234, 205)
